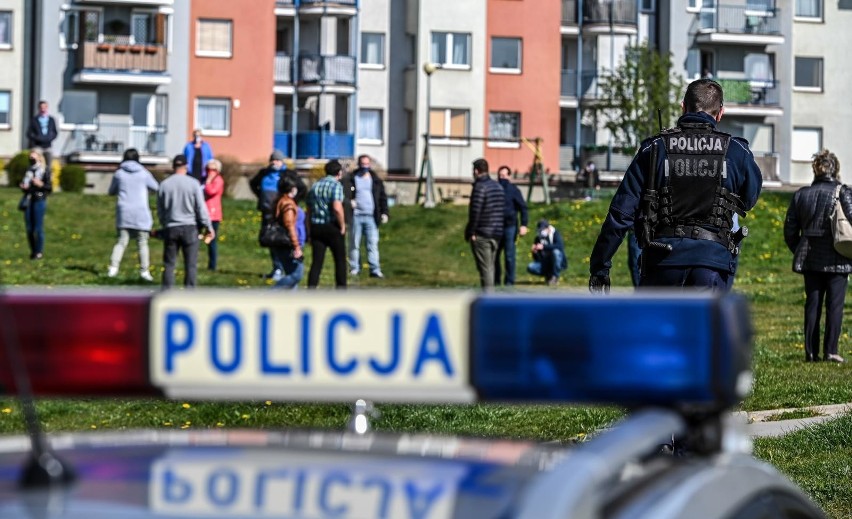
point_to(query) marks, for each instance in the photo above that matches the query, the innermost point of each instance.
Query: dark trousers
(633, 253)
(34, 222)
(507, 248)
(830, 287)
(213, 249)
(327, 236)
(699, 278)
(183, 238)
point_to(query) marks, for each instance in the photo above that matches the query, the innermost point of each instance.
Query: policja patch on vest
(696, 154)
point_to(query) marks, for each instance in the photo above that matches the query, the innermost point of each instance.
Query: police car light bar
(428, 346)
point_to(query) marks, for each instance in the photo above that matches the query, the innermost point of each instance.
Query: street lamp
(429, 201)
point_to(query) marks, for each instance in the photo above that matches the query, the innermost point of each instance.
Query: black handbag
(24, 203)
(273, 234)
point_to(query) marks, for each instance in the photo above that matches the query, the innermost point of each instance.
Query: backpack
(841, 229)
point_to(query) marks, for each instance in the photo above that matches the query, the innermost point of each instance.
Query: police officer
(680, 195)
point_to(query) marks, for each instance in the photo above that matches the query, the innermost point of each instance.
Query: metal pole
(578, 128)
(429, 200)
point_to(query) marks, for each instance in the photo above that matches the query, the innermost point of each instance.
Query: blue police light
(663, 349)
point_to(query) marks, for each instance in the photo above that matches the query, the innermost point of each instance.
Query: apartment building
(14, 104)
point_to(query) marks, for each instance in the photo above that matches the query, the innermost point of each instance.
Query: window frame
(449, 38)
(504, 144)
(371, 140)
(92, 126)
(10, 26)
(520, 55)
(368, 65)
(214, 53)
(66, 18)
(7, 125)
(820, 88)
(446, 137)
(794, 157)
(221, 101)
(809, 19)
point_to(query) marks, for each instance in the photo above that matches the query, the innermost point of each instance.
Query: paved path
(758, 426)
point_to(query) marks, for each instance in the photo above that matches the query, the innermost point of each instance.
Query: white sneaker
(112, 272)
(354, 272)
(144, 274)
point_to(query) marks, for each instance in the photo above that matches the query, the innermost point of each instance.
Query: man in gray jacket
(131, 184)
(182, 213)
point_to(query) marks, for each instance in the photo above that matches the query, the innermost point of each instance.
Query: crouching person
(548, 253)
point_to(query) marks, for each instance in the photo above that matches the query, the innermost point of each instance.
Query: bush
(232, 170)
(17, 167)
(72, 178)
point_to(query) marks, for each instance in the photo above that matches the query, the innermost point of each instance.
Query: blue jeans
(507, 248)
(213, 249)
(364, 225)
(294, 270)
(548, 265)
(34, 221)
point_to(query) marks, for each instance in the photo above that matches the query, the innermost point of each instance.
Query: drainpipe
(579, 81)
(294, 99)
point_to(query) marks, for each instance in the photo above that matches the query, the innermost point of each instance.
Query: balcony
(283, 68)
(327, 73)
(132, 3)
(740, 25)
(751, 97)
(124, 63)
(317, 145)
(601, 17)
(285, 7)
(590, 83)
(106, 142)
(342, 8)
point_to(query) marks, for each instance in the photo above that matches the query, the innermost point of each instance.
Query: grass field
(424, 248)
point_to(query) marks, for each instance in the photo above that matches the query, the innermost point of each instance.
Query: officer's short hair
(703, 95)
(825, 164)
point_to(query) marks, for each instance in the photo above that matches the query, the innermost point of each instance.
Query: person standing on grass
(131, 184)
(292, 217)
(36, 185)
(42, 132)
(327, 225)
(366, 209)
(214, 187)
(198, 153)
(808, 235)
(182, 212)
(485, 222)
(515, 205)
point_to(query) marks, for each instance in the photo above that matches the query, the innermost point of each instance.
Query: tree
(632, 94)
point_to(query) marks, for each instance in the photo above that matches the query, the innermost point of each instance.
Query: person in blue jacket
(680, 194)
(548, 251)
(515, 206)
(198, 153)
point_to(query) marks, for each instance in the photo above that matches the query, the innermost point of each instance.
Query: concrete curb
(758, 427)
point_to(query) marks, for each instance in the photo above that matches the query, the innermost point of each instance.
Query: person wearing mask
(214, 188)
(366, 210)
(131, 184)
(808, 235)
(264, 185)
(292, 217)
(548, 251)
(36, 185)
(198, 153)
(515, 206)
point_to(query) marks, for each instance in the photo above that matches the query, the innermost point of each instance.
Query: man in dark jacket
(548, 252)
(264, 185)
(42, 132)
(366, 207)
(485, 221)
(681, 192)
(515, 205)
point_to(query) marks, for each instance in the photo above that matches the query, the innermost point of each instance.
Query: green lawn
(424, 248)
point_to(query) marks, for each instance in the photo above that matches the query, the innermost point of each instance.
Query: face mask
(33, 161)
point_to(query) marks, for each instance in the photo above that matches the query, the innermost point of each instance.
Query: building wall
(11, 60)
(535, 91)
(374, 87)
(246, 78)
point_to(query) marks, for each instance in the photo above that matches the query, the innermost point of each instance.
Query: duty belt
(696, 233)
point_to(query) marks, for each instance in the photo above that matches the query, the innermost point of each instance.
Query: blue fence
(317, 145)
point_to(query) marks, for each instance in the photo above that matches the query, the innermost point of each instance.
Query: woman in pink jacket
(214, 186)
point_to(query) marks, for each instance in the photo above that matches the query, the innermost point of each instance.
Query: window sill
(503, 144)
(216, 133)
(449, 142)
(808, 90)
(213, 54)
(371, 142)
(507, 71)
(370, 66)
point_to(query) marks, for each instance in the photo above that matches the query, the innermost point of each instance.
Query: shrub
(72, 178)
(17, 167)
(232, 170)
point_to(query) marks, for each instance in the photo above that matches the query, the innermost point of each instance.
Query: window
(806, 142)
(451, 49)
(647, 6)
(809, 9)
(79, 107)
(149, 109)
(80, 26)
(808, 74)
(5, 30)
(504, 125)
(506, 54)
(449, 124)
(213, 38)
(142, 27)
(5, 107)
(373, 49)
(213, 116)
(370, 126)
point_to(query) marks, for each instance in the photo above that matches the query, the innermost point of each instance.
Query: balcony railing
(619, 12)
(121, 57)
(113, 139)
(331, 2)
(569, 12)
(317, 145)
(760, 92)
(740, 20)
(590, 83)
(283, 71)
(327, 69)
(285, 3)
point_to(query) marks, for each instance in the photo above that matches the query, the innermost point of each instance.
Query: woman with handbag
(808, 234)
(36, 185)
(292, 218)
